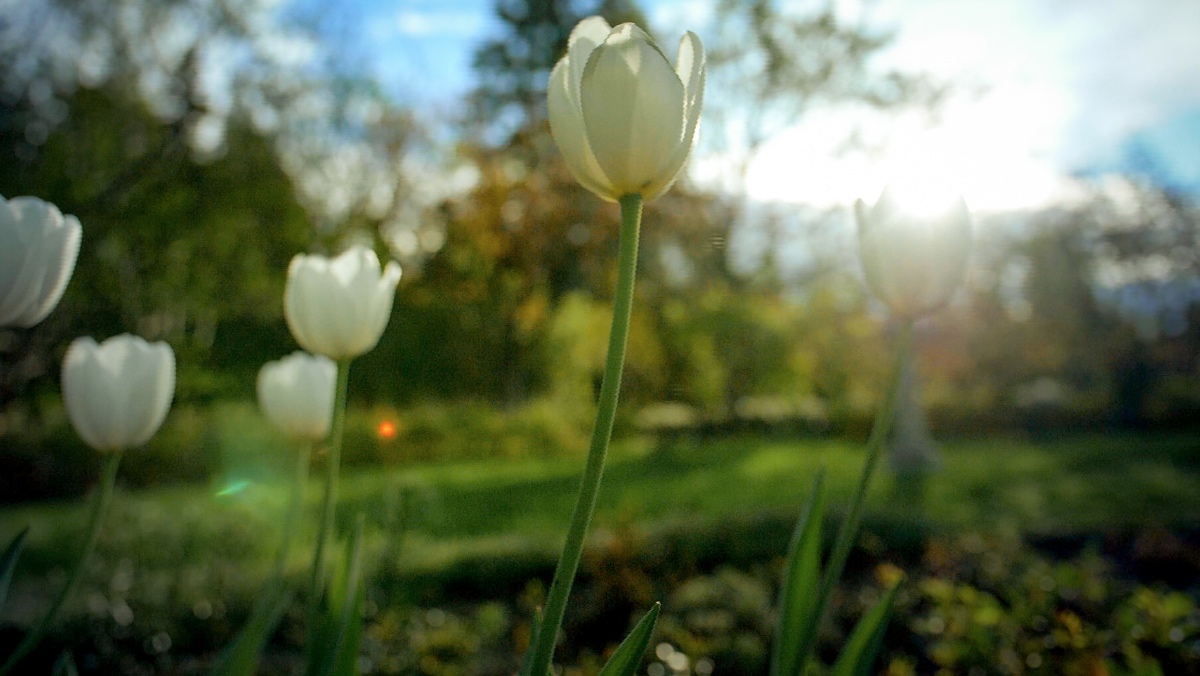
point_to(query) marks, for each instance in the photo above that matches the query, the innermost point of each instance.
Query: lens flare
(387, 430)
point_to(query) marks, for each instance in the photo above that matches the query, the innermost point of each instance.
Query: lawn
(187, 561)
(448, 511)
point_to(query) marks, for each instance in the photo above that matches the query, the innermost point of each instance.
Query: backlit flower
(339, 307)
(623, 117)
(118, 392)
(296, 394)
(913, 263)
(38, 248)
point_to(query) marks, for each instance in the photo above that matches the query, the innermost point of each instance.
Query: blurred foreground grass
(186, 562)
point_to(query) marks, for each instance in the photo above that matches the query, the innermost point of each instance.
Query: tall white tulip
(296, 394)
(38, 248)
(339, 307)
(913, 263)
(623, 117)
(117, 393)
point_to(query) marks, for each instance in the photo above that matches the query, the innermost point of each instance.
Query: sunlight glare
(233, 488)
(995, 150)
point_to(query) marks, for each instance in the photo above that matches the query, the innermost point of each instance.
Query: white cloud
(1063, 84)
(1121, 65)
(427, 23)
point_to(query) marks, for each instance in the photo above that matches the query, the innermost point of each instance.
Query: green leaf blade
(861, 649)
(625, 661)
(339, 638)
(240, 658)
(8, 563)
(796, 632)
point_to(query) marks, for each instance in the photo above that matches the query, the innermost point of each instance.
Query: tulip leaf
(240, 658)
(65, 665)
(860, 650)
(800, 593)
(625, 661)
(8, 562)
(338, 640)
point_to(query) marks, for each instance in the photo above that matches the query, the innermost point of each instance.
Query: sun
(995, 151)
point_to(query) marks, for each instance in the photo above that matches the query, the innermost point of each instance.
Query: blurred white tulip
(38, 248)
(913, 263)
(117, 393)
(339, 307)
(296, 394)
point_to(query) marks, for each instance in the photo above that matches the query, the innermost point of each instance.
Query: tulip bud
(339, 307)
(914, 264)
(296, 394)
(117, 393)
(623, 117)
(38, 248)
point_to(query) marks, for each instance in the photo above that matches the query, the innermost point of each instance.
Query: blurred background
(1044, 492)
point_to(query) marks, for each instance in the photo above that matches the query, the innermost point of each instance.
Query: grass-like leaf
(9, 562)
(240, 658)
(65, 665)
(796, 631)
(336, 653)
(625, 661)
(860, 650)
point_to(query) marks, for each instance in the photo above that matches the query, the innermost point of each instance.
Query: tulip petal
(12, 246)
(382, 298)
(633, 108)
(55, 259)
(77, 374)
(585, 38)
(58, 270)
(153, 389)
(302, 318)
(690, 67)
(28, 218)
(566, 125)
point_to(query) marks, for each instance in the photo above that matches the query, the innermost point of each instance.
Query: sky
(1052, 90)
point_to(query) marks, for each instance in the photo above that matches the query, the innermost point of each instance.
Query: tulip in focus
(623, 117)
(339, 307)
(296, 394)
(38, 248)
(913, 263)
(117, 393)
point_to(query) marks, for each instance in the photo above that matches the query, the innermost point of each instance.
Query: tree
(198, 162)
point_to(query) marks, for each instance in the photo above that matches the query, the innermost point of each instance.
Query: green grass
(1078, 484)
(448, 512)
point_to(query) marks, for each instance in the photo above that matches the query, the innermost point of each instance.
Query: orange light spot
(387, 429)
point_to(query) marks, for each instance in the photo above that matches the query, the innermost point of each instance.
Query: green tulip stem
(542, 650)
(295, 508)
(848, 531)
(329, 500)
(100, 505)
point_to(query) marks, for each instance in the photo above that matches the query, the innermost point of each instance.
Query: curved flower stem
(848, 532)
(542, 650)
(104, 494)
(329, 501)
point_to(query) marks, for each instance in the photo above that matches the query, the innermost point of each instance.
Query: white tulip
(623, 117)
(339, 307)
(296, 394)
(38, 248)
(913, 263)
(117, 393)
